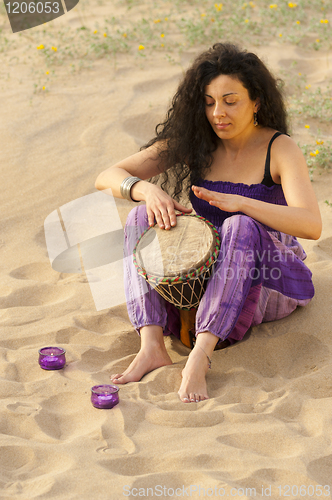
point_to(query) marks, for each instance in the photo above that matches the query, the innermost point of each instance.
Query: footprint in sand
(186, 416)
(65, 415)
(286, 356)
(155, 86)
(23, 408)
(141, 127)
(13, 458)
(277, 443)
(116, 435)
(66, 335)
(20, 464)
(35, 271)
(36, 295)
(320, 471)
(324, 248)
(105, 322)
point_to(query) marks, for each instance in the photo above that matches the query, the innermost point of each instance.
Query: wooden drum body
(178, 262)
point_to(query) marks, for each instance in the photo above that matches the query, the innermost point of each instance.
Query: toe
(192, 397)
(118, 378)
(184, 397)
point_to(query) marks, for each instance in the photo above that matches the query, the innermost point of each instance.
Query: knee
(240, 226)
(239, 221)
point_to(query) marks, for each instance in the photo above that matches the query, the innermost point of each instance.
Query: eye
(230, 103)
(209, 104)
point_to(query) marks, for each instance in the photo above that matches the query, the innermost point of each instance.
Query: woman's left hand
(226, 202)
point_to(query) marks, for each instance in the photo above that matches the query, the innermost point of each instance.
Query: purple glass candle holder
(104, 396)
(52, 358)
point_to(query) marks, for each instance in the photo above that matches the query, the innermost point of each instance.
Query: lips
(221, 126)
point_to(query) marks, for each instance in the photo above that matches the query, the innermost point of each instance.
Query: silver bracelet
(126, 186)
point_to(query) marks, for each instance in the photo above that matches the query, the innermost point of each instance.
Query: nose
(219, 110)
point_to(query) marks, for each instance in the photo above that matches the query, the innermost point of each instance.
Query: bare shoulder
(287, 158)
(285, 148)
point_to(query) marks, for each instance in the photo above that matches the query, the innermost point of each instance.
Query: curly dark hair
(189, 137)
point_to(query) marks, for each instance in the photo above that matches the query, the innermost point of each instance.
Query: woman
(226, 122)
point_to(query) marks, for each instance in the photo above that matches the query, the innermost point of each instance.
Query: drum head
(178, 251)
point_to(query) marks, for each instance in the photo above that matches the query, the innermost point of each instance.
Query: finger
(171, 216)
(199, 192)
(166, 219)
(159, 220)
(151, 217)
(199, 188)
(182, 208)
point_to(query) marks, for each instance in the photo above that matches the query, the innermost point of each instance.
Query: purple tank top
(273, 194)
(266, 191)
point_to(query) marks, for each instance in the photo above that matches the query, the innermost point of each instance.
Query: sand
(267, 423)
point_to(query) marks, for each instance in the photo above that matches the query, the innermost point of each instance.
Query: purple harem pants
(232, 302)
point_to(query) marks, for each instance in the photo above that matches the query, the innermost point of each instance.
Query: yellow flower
(212, 19)
(317, 40)
(324, 21)
(124, 35)
(300, 74)
(308, 86)
(246, 20)
(44, 88)
(166, 18)
(162, 35)
(218, 6)
(95, 32)
(292, 5)
(54, 48)
(280, 34)
(298, 22)
(203, 15)
(141, 47)
(244, 5)
(317, 152)
(162, 45)
(252, 4)
(312, 154)
(306, 126)
(47, 73)
(273, 6)
(40, 47)
(105, 35)
(319, 143)
(156, 21)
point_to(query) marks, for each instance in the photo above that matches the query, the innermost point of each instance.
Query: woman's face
(229, 108)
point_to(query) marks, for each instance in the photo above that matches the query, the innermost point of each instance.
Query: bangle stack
(126, 186)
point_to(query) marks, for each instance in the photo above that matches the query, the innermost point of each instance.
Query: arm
(301, 217)
(145, 164)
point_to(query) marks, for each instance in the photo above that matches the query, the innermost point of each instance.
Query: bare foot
(193, 387)
(147, 359)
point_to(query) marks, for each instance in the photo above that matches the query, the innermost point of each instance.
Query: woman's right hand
(160, 207)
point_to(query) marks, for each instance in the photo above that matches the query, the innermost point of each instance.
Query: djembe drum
(178, 264)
